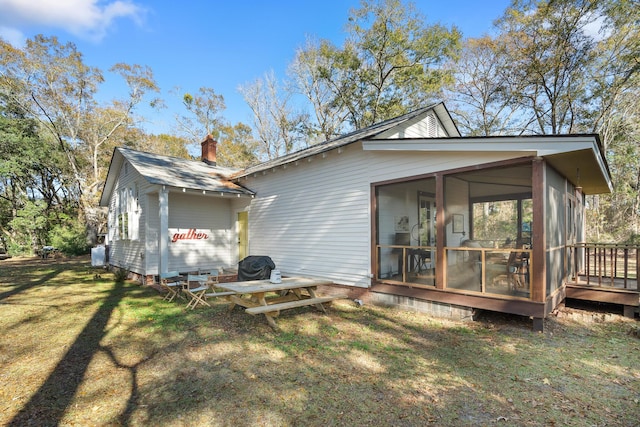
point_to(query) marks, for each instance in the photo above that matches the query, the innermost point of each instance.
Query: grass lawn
(81, 349)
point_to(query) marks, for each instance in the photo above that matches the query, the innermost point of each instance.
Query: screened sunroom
(496, 236)
(488, 218)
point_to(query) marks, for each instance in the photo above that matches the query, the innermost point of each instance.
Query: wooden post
(163, 239)
(441, 258)
(637, 268)
(588, 253)
(626, 265)
(539, 236)
(375, 266)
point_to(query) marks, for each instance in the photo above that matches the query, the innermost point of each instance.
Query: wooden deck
(606, 283)
(624, 292)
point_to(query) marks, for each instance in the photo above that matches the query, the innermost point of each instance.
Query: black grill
(255, 267)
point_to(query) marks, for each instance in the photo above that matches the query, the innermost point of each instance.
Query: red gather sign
(190, 234)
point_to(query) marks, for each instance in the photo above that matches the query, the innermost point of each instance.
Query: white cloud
(89, 19)
(12, 35)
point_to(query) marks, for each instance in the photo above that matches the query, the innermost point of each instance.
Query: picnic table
(291, 292)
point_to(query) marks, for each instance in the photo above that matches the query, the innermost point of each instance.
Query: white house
(390, 211)
(168, 213)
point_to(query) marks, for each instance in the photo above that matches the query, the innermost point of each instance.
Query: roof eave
(240, 192)
(114, 164)
(353, 137)
(577, 157)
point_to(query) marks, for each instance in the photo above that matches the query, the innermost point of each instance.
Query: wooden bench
(219, 294)
(267, 309)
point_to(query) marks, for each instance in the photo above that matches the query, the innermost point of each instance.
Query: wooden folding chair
(196, 294)
(212, 276)
(212, 281)
(170, 282)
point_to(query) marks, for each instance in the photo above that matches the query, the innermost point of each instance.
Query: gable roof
(173, 172)
(579, 157)
(369, 132)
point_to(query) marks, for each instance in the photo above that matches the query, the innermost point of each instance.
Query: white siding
(314, 218)
(185, 211)
(127, 253)
(211, 213)
(428, 126)
(194, 211)
(238, 205)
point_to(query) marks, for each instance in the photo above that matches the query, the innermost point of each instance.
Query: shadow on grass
(49, 403)
(22, 288)
(368, 366)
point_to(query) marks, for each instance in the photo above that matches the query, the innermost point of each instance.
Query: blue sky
(217, 44)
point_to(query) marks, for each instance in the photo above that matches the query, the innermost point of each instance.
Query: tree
(205, 109)
(391, 63)
(102, 127)
(612, 110)
(237, 147)
(309, 73)
(279, 128)
(33, 181)
(615, 65)
(167, 145)
(548, 51)
(483, 103)
(616, 216)
(579, 63)
(51, 82)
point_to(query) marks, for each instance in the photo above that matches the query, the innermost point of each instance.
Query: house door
(243, 235)
(427, 224)
(427, 233)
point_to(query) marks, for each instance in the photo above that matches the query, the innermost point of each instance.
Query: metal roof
(173, 172)
(592, 169)
(358, 135)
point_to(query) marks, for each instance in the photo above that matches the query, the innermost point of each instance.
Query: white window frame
(122, 217)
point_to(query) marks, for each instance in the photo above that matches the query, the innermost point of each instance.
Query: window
(123, 214)
(127, 213)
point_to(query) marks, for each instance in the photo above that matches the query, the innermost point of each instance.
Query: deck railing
(606, 265)
(502, 271)
(486, 270)
(495, 271)
(415, 264)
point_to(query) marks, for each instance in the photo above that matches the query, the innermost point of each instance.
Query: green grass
(77, 349)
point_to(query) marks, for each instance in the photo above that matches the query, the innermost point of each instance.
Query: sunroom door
(427, 232)
(427, 223)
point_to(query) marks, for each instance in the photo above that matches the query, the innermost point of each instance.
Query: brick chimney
(209, 150)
